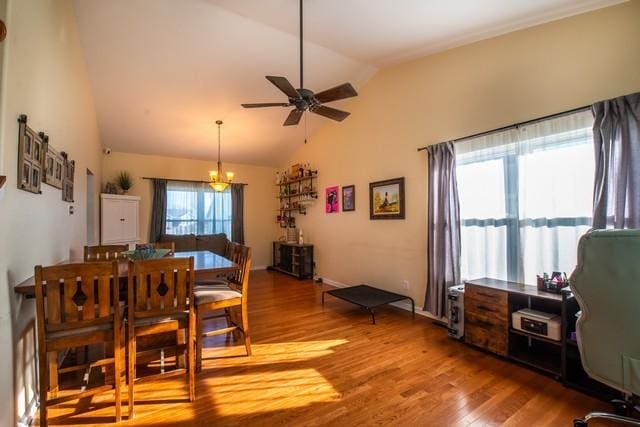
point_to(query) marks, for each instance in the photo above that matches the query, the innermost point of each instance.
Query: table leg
(373, 315)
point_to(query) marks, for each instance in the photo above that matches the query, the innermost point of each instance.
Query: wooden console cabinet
(488, 305)
(293, 259)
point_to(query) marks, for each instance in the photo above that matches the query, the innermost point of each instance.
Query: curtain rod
(517, 125)
(189, 180)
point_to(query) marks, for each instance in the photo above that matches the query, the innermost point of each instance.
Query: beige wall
(44, 76)
(515, 77)
(260, 203)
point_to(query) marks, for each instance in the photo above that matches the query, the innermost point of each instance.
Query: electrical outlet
(405, 285)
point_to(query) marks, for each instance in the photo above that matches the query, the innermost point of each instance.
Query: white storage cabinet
(119, 219)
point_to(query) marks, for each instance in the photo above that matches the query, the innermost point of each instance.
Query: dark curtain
(158, 210)
(616, 136)
(237, 213)
(443, 222)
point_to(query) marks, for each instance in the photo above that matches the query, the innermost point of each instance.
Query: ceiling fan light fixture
(303, 99)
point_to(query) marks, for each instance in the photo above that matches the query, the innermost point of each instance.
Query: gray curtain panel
(237, 213)
(443, 222)
(616, 136)
(158, 210)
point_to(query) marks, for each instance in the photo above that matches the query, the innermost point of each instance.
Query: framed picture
(332, 204)
(386, 199)
(30, 155)
(67, 178)
(348, 198)
(53, 165)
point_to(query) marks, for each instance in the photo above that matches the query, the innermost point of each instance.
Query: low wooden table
(207, 265)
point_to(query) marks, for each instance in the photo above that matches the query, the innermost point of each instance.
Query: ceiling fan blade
(294, 117)
(283, 84)
(266, 104)
(331, 113)
(335, 93)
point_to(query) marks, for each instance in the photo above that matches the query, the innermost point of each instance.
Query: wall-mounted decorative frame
(30, 155)
(386, 199)
(53, 166)
(67, 179)
(348, 198)
(332, 202)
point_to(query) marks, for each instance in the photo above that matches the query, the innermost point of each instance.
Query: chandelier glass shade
(218, 180)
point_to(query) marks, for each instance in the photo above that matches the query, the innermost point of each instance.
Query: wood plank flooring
(315, 365)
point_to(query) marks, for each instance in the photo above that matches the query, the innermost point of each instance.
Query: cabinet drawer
(492, 338)
(487, 308)
(484, 294)
(474, 318)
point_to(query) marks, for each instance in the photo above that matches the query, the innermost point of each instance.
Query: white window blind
(194, 208)
(525, 198)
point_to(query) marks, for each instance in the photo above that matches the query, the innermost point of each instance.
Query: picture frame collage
(386, 199)
(39, 162)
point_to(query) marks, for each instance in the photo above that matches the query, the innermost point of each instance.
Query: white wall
(519, 76)
(44, 77)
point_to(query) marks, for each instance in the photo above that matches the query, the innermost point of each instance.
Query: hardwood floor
(315, 365)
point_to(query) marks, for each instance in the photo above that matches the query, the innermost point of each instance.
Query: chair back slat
(181, 288)
(89, 307)
(54, 315)
(160, 286)
(70, 307)
(70, 297)
(104, 252)
(104, 296)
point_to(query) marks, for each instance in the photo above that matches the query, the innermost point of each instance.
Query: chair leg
(117, 362)
(180, 359)
(245, 328)
(53, 373)
(191, 342)
(44, 385)
(131, 371)
(198, 339)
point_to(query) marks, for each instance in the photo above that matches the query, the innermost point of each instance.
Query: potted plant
(125, 182)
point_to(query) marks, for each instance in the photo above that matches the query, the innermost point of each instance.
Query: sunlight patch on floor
(271, 390)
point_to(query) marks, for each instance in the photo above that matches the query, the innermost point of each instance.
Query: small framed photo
(53, 166)
(386, 199)
(30, 152)
(332, 204)
(348, 198)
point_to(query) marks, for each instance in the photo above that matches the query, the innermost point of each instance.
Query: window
(525, 198)
(194, 208)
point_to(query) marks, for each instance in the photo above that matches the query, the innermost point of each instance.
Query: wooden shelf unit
(488, 306)
(293, 259)
(289, 192)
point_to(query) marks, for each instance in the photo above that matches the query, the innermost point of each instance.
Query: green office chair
(606, 283)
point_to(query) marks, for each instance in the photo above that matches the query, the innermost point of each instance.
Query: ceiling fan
(304, 99)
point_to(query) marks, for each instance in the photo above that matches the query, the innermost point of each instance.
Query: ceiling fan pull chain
(301, 50)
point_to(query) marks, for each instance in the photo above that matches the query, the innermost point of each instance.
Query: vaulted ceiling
(164, 70)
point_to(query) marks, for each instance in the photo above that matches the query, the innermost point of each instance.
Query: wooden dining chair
(77, 305)
(159, 293)
(214, 296)
(104, 252)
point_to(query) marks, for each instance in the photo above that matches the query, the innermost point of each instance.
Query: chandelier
(217, 180)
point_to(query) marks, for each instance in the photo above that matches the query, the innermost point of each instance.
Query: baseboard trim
(400, 304)
(258, 267)
(29, 416)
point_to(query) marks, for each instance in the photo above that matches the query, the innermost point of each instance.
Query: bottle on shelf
(301, 238)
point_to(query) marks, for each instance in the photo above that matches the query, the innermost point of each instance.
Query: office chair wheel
(579, 422)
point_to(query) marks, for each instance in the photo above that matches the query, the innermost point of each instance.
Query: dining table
(207, 266)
